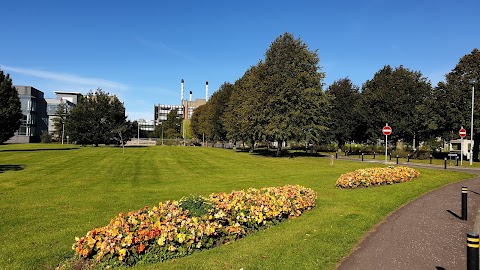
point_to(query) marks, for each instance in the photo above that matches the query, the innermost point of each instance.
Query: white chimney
(190, 96)
(206, 91)
(181, 96)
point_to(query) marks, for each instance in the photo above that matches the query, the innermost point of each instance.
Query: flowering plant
(168, 231)
(376, 176)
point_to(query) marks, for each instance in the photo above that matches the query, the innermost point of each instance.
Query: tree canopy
(96, 119)
(10, 108)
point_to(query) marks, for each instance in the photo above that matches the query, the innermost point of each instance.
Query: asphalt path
(427, 233)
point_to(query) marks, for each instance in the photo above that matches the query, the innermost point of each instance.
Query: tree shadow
(285, 153)
(11, 167)
(33, 150)
(453, 214)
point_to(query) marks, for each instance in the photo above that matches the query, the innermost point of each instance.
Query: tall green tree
(296, 107)
(245, 107)
(199, 123)
(95, 119)
(218, 105)
(457, 95)
(396, 96)
(10, 108)
(344, 111)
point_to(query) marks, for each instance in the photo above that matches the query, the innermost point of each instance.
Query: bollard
(456, 161)
(430, 159)
(362, 156)
(464, 202)
(408, 158)
(390, 156)
(445, 162)
(472, 251)
(397, 159)
(373, 155)
(345, 153)
(336, 155)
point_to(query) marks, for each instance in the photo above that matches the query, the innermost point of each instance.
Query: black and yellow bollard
(445, 163)
(464, 203)
(472, 251)
(397, 159)
(431, 159)
(373, 155)
(362, 156)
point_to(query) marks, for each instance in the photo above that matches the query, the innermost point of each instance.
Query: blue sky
(140, 50)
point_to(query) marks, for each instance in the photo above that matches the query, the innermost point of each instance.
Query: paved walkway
(427, 233)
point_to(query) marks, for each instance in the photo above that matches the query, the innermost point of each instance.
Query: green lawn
(51, 193)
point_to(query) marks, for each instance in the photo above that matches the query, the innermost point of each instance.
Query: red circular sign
(462, 132)
(387, 130)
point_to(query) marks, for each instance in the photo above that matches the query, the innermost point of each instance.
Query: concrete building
(38, 112)
(184, 110)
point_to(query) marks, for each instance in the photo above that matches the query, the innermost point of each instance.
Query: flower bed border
(167, 231)
(376, 176)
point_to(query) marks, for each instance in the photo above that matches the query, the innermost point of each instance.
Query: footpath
(427, 233)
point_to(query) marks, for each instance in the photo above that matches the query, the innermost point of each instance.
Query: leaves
(10, 108)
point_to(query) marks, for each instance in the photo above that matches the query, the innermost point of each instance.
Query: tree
(199, 125)
(344, 112)
(245, 106)
(59, 121)
(397, 97)
(95, 118)
(171, 126)
(10, 108)
(217, 107)
(296, 107)
(457, 96)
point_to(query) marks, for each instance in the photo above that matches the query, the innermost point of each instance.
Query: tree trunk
(279, 148)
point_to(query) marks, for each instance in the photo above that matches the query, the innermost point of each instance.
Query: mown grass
(51, 193)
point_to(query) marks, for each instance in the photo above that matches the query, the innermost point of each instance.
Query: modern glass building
(34, 115)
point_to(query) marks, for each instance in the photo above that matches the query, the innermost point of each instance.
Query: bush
(376, 176)
(168, 231)
(46, 137)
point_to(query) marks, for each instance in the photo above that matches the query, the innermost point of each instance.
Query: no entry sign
(462, 132)
(387, 130)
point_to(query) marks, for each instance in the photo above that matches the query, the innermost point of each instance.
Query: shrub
(169, 231)
(376, 176)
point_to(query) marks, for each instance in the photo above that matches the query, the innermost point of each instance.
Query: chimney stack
(206, 91)
(190, 96)
(181, 96)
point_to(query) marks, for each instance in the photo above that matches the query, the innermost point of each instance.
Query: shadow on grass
(11, 167)
(33, 150)
(285, 153)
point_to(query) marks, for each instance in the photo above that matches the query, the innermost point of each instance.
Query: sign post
(462, 132)
(387, 130)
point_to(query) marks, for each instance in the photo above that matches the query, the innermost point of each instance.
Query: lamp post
(138, 132)
(472, 81)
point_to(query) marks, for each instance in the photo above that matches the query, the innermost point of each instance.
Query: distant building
(38, 112)
(146, 125)
(184, 110)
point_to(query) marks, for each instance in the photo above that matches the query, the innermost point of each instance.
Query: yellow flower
(180, 238)
(161, 241)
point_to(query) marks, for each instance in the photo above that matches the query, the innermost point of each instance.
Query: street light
(472, 81)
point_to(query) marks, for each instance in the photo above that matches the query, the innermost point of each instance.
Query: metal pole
(63, 130)
(461, 150)
(472, 251)
(464, 202)
(471, 127)
(162, 134)
(386, 143)
(138, 133)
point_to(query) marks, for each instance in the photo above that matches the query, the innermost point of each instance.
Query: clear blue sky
(140, 50)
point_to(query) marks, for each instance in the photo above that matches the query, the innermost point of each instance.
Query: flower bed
(169, 231)
(376, 176)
